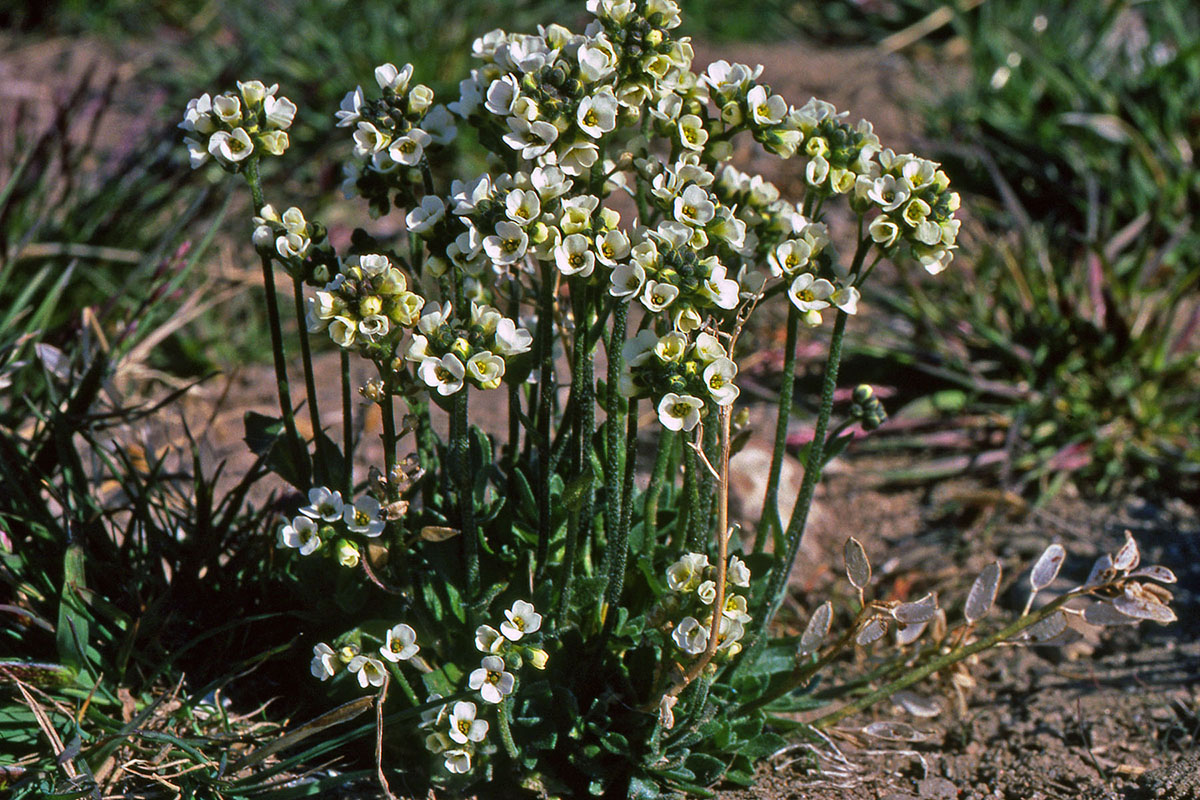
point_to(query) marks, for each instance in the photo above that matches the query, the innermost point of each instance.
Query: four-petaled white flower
(690, 636)
(718, 377)
(302, 534)
(597, 114)
(508, 244)
(522, 619)
(231, 146)
(401, 644)
(486, 369)
(574, 256)
(738, 573)
(464, 727)
(458, 761)
(369, 671)
(364, 516)
(444, 374)
(488, 639)
(325, 663)
(694, 207)
(684, 575)
(810, 293)
(679, 412)
(323, 503)
(511, 340)
(491, 680)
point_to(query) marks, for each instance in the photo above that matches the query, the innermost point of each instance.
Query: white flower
(597, 59)
(789, 256)
(694, 207)
(692, 134)
(522, 619)
(577, 159)
(370, 671)
(324, 663)
(671, 347)
(530, 139)
(491, 680)
(684, 575)
(611, 247)
(508, 244)
(199, 116)
(718, 377)
(730, 79)
(574, 256)
(458, 761)
(488, 639)
(511, 340)
(368, 139)
(231, 146)
(323, 503)
(351, 108)
(708, 347)
(690, 636)
(501, 95)
(279, 111)
(550, 182)
(679, 412)
(486, 369)
(657, 296)
(391, 79)
(348, 554)
(420, 97)
(846, 299)
(422, 218)
(884, 231)
(522, 206)
(291, 245)
(444, 374)
(301, 534)
(436, 315)
(735, 608)
(626, 280)
(720, 290)
(764, 109)
(463, 725)
(197, 153)
(364, 517)
(640, 348)
(729, 631)
(228, 108)
(809, 293)
(401, 644)
(410, 148)
(342, 331)
(597, 114)
(738, 573)
(707, 592)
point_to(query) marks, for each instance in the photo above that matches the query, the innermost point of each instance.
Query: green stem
(299, 451)
(615, 453)
(320, 473)
(347, 422)
(387, 412)
(691, 489)
(545, 405)
(619, 534)
(506, 737)
(405, 686)
(658, 477)
(771, 524)
(459, 453)
(942, 662)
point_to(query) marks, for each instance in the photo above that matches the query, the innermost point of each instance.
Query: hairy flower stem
(658, 477)
(459, 452)
(506, 737)
(695, 527)
(618, 536)
(320, 470)
(943, 661)
(615, 453)
(405, 686)
(299, 451)
(770, 524)
(347, 423)
(545, 357)
(387, 413)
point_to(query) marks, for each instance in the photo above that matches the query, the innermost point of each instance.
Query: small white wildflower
(626, 280)
(280, 112)
(422, 218)
(690, 636)
(364, 517)
(325, 663)
(522, 619)
(707, 592)
(370, 671)
(488, 639)
(486, 369)
(444, 374)
(718, 377)
(323, 503)
(464, 727)
(350, 112)
(508, 244)
(391, 79)
(809, 293)
(491, 680)
(511, 340)
(401, 644)
(738, 573)
(302, 535)
(597, 114)
(679, 412)
(231, 146)
(574, 256)
(684, 575)
(458, 761)
(657, 296)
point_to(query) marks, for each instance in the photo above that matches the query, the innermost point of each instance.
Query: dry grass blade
(47, 728)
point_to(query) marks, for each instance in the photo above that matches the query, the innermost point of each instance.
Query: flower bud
(537, 657)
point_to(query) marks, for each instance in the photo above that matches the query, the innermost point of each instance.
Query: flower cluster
(683, 375)
(327, 518)
(233, 126)
(366, 306)
(918, 208)
(391, 134)
(449, 351)
(692, 580)
(400, 644)
(300, 245)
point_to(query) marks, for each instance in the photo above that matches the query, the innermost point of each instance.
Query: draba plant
(525, 614)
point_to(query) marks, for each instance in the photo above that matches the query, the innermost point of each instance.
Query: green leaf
(72, 631)
(578, 487)
(643, 789)
(708, 768)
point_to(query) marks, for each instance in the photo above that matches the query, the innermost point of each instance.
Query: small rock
(937, 789)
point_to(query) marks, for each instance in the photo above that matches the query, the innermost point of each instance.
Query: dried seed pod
(1154, 573)
(1142, 605)
(1048, 628)
(983, 593)
(816, 630)
(918, 611)
(1102, 571)
(1047, 567)
(438, 533)
(872, 630)
(895, 731)
(917, 705)
(858, 568)
(1127, 557)
(907, 634)
(1104, 615)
